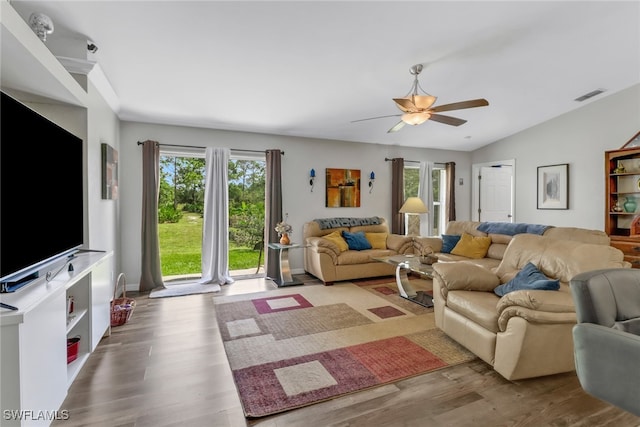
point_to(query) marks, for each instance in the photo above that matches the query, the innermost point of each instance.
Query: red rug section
(262, 393)
(262, 304)
(386, 312)
(353, 368)
(395, 358)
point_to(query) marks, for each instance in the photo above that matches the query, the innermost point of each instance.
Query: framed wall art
(109, 172)
(553, 186)
(342, 188)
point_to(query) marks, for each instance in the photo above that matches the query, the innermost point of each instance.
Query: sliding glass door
(181, 210)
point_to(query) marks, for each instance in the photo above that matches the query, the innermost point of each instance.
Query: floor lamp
(413, 206)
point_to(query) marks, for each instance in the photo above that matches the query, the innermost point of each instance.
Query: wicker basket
(121, 308)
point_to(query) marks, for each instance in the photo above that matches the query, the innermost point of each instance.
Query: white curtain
(425, 192)
(215, 233)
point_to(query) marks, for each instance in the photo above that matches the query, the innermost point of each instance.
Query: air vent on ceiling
(589, 95)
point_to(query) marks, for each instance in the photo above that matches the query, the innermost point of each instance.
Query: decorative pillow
(377, 240)
(472, 246)
(336, 238)
(449, 241)
(528, 278)
(356, 241)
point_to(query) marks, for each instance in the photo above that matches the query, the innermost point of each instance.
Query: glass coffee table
(405, 264)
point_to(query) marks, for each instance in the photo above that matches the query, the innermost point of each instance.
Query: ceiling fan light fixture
(415, 118)
(423, 102)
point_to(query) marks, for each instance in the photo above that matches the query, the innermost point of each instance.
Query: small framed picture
(109, 172)
(553, 186)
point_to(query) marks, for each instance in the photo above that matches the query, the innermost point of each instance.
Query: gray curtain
(397, 195)
(273, 209)
(151, 273)
(450, 198)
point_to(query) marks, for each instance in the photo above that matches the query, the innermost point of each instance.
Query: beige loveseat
(326, 261)
(500, 241)
(525, 333)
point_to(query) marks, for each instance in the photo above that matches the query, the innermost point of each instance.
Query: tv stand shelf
(34, 369)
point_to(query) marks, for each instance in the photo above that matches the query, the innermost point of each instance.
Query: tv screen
(41, 196)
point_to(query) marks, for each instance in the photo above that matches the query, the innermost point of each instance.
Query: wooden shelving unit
(622, 175)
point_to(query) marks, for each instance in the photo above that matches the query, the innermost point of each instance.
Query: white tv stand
(33, 353)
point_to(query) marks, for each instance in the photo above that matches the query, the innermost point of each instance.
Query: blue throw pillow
(356, 241)
(449, 241)
(528, 278)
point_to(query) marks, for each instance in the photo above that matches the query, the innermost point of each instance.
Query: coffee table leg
(402, 280)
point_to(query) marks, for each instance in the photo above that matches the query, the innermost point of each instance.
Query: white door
(495, 195)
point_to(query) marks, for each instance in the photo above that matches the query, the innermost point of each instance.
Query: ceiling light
(413, 101)
(415, 118)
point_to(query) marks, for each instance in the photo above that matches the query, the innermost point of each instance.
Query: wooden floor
(167, 367)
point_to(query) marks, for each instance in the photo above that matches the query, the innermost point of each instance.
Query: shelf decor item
(617, 207)
(630, 205)
(619, 169)
(121, 308)
(72, 348)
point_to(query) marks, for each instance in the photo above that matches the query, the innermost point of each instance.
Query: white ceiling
(309, 68)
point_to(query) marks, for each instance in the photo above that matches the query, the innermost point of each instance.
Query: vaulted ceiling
(310, 68)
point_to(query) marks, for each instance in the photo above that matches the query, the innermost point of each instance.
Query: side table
(285, 279)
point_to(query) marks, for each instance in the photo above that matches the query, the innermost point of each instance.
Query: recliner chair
(607, 337)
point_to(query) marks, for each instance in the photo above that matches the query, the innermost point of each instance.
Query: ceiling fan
(417, 109)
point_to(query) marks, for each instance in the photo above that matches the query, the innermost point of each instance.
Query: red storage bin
(72, 348)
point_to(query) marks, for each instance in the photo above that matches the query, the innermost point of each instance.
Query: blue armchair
(607, 337)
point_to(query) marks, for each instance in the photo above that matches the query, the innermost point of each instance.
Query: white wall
(301, 154)
(578, 138)
(103, 219)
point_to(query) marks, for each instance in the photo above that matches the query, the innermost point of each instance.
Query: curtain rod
(386, 159)
(195, 146)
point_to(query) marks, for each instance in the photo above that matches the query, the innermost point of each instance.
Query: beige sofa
(326, 261)
(525, 333)
(499, 242)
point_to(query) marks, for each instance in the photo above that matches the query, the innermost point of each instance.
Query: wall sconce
(372, 177)
(312, 178)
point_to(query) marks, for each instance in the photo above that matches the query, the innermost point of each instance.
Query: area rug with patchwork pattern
(293, 347)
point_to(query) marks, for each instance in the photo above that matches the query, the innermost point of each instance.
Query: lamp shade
(414, 205)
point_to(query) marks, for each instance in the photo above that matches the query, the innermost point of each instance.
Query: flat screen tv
(41, 195)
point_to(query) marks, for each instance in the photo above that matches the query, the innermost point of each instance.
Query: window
(438, 179)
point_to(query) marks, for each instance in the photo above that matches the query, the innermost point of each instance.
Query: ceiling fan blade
(461, 105)
(374, 118)
(447, 120)
(397, 127)
(405, 104)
